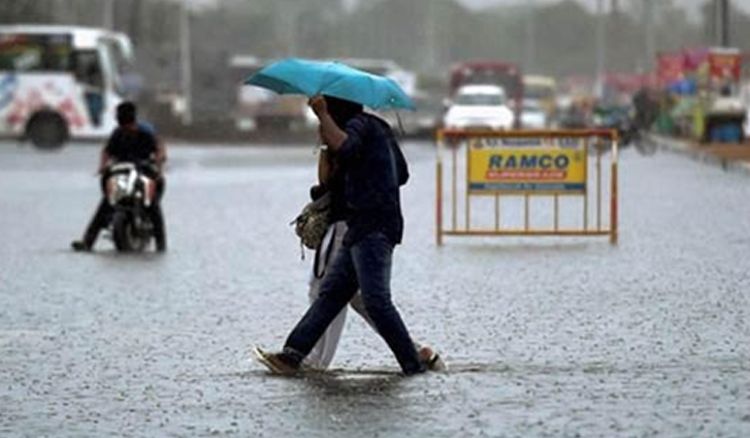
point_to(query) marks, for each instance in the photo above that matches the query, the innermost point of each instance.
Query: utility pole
(430, 63)
(648, 22)
(108, 14)
(292, 26)
(719, 30)
(186, 64)
(530, 46)
(601, 47)
(286, 21)
(724, 23)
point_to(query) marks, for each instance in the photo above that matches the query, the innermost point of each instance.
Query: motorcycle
(131, 193)
(618, 118)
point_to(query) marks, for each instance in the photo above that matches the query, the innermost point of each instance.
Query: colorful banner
(694, 58)
(527, 165)
(725, 64)
(670, 67)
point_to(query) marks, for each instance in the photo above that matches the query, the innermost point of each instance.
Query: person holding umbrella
(365, 151)
(331, 181)
(373, 169)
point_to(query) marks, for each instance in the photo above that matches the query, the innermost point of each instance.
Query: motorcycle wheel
(125, 235)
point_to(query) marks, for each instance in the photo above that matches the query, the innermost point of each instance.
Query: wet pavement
(550, 337)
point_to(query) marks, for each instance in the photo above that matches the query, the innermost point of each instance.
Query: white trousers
(322, 354)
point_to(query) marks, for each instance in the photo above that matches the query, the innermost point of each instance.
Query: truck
(725, 116)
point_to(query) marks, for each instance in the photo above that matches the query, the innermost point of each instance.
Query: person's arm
(330, 133)
(325, 167)
(103, 160)
(104, 155)
(343, 144)
(161, 153)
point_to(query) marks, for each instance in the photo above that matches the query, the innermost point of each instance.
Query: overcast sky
(691, 5)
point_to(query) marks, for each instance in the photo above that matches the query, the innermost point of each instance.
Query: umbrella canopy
(308, 77)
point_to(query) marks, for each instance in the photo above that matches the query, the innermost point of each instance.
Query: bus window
(35, 52)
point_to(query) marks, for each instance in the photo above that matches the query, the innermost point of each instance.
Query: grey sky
(692, 5)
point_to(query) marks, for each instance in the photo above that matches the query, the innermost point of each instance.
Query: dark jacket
(133, 146)
(373, 169)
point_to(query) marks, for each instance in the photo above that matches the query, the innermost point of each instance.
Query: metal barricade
(526, 166)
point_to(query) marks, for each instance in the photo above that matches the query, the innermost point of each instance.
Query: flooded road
(543, 337)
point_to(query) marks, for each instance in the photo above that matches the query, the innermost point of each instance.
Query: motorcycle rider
(133, 142)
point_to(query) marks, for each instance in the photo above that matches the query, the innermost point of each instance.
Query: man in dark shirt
(373, 168)
(132, 142)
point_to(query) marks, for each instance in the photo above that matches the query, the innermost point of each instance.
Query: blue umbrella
(301, 76)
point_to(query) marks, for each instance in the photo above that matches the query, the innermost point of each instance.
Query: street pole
(600, 48)
(430, 64)
(724, 17)
(187, 115)
(290, 16)
(108, 14)
(648, 20)
(285, 20)
(530, 47)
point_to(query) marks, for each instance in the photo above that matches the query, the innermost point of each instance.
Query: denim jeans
(366, 265)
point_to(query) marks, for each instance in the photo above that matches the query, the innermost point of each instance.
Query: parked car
(258, 108)
(541, 90)
(420, 123)
(571, 114)
(479, 106)
(533, 116)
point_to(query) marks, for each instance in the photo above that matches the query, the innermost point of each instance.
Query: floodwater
(543, 337)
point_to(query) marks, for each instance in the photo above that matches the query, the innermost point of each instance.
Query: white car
(479, 106)
(533, 116)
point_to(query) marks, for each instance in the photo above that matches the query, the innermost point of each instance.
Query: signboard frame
(456, 138)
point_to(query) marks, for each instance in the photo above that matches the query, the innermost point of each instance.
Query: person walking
(372, 171)
(330, 180)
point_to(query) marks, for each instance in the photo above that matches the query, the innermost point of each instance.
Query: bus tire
(47, 130)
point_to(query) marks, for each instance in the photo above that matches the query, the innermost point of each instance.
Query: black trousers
(104, 212)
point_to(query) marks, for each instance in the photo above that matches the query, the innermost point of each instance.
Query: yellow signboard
(527, 166)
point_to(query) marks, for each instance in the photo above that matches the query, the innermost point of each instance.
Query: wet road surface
(550, 337)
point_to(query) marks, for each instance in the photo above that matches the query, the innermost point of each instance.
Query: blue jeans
(366, 265)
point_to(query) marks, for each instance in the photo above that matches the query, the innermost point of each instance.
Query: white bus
(60, 82)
